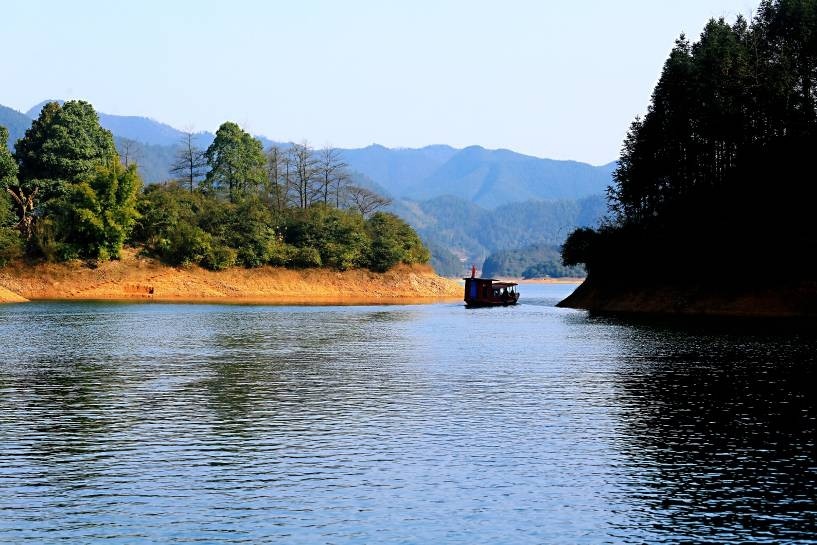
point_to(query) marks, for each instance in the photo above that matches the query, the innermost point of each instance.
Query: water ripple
(202, 424)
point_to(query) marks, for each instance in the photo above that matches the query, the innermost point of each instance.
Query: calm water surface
(401, 424)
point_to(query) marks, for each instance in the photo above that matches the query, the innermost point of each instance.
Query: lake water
(401, 424)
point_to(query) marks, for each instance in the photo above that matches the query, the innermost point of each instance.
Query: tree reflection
(291, 370)
(721, 423)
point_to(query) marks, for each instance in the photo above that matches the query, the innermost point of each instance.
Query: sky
(547, 78)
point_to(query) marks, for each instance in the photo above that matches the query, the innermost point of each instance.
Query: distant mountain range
(489, 178)
(431, 186)
(138, 129)
(15, 122)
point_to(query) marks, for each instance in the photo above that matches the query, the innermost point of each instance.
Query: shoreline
(287, 301)
(138, 279)
(791, 300)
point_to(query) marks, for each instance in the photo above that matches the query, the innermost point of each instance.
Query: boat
(489, 292)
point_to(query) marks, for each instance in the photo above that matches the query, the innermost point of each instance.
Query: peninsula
(237, 224)
(145, 279)
(711, 210)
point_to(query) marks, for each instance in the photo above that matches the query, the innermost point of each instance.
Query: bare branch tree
(276, 183)
(190, 163)
(330, 170)
(129, 151)
(25, 207)
(305, 166)
(341, 183)
(287, 177)
(365, 200)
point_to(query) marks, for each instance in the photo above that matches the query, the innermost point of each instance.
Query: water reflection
(179, 423)
(722, 423)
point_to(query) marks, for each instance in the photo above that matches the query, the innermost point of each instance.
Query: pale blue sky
(551, 79)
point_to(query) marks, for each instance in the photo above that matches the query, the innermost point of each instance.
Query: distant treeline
(537, 261)
(716, 178)
(66, 194)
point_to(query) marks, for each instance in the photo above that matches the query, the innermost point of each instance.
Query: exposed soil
(139, 278)
(793, 300)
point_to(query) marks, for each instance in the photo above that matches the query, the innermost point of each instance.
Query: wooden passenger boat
(488, 292)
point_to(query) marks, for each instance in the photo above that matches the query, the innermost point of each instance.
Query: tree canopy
(66, 142)
(8, 167)
(237, 162)
(535, 261)
(95, 216)
(75, 199)
(715, 174)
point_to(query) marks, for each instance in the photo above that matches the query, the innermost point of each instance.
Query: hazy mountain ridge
(486, 177)
(16, 122)
(465, 203)
(472, 233)
(489, 178)
(141, 129)
(399, 168)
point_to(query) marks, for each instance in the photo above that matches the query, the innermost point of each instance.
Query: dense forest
(536, 261)
(66, 193)
(450, 222)
(714, 179)
(519, 200)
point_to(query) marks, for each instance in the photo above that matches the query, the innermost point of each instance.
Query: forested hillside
(15, 123)
(714, 182)
(536, 261)
(66, 194)
(489, 178)
(466, 203)
(471, 232)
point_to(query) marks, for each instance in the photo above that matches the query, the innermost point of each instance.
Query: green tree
(339, 237)
(95, 217)
(22, 200)
(8, 168)
(393, 242)
(236, 161)
(11, 245)
(578, 247)
(168, 225)
(718, 167)
(250, 227)
(64, 143)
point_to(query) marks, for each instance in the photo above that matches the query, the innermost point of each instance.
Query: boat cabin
(488, 292)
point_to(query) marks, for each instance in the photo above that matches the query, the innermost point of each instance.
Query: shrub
(219, 258)
(11, 245)
(94, 217)
(304, 258)
(393, 242)
(279, 254)
(185, 245)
